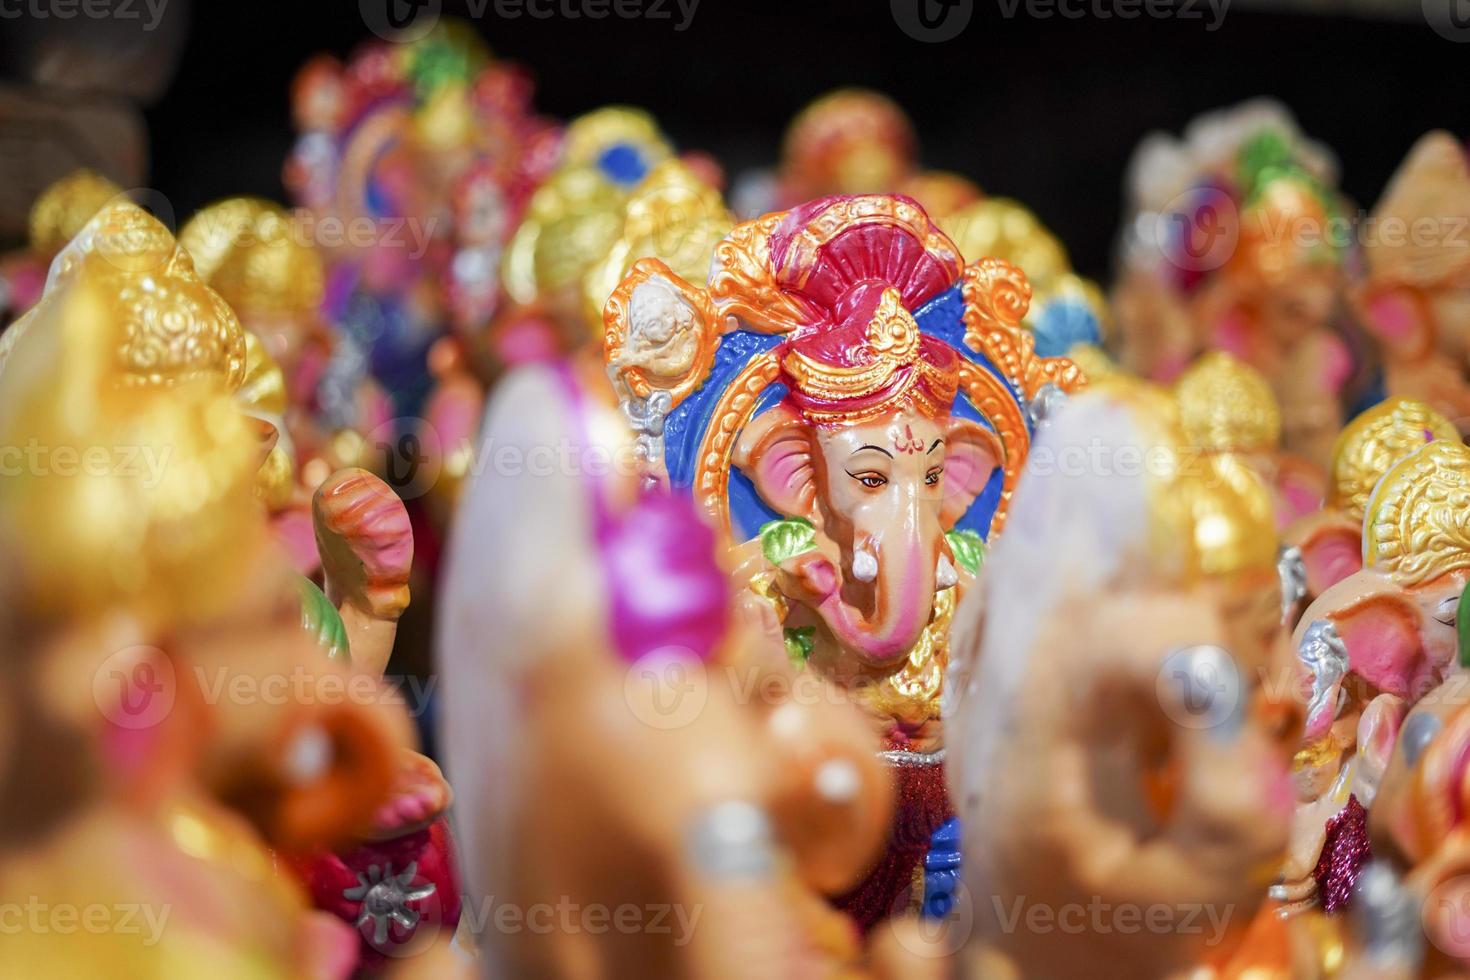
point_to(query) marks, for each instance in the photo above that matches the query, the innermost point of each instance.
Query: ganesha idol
(423, 153)
(1236, 243)
(133, 591)
(1328, 542)
(673, 214)
(1371, 646)
(158, 329)
(1415, 296)
(623, 743)
(1113, 746)
(1226, 406)
(849, 404)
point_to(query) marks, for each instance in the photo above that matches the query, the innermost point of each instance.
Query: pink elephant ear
(1331, 555)
(971, 454)
(1394, 317)
(775, 451)
(1381, 634)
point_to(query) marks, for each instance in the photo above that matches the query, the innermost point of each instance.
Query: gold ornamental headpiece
(1375, 441)
(1225, 405)
(164, 325)
(65, 207)
(248, 250)
(139, 498)
(1418, 523)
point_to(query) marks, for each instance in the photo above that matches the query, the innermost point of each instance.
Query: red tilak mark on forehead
(909, 443)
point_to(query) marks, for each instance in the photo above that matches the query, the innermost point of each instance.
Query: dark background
(1046, 111)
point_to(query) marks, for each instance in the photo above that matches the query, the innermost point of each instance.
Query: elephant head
(1105, 690)
(1330, 540)
(1373, 644)
(880, 495)
(1394, 621)
(878, 465)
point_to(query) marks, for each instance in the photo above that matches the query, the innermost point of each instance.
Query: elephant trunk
(905, 585)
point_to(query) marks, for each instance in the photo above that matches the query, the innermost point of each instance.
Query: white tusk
(945, 575)
(864, 565)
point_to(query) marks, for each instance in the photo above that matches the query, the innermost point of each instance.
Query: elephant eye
(933, 477)
(1445, 613)
(870, 479)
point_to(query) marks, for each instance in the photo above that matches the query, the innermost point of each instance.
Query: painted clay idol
(577, 214)
(1370, 647)
(851, 141)
(672, 215)
(849, 405)
(153, 588)
(1226, 406)
(1415, 298)
(1110, 737)
(1235, 244)
(160, 329)
(396, 883)
(578, 604)
(1329, 541)
(415, 161)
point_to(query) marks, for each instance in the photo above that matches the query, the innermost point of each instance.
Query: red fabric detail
(923, 805)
